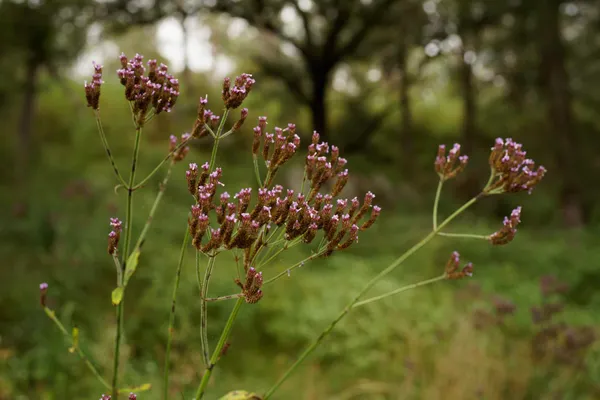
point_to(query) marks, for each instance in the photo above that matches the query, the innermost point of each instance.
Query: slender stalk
(161, 191)
(203, 309)
(107, 148)
(365, 289)
(209, 129)
(213, 156)
(52, 315)
(269, 177)
(160, 164)
(298, 264)
(303, 181)
(399, 290)
(269, 244)
(256, 170)
(436, 202)
(198, 280)
(172, 315)
(463, 235)
(286, 245)
(217, 352)
(118, 267)
(129, 226)
(159, 196)
(263, 263)
(228, 297)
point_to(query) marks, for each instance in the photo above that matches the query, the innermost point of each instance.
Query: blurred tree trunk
(406, 134)
(23, 150)
(318, 100)
(186, 75)
(557, 91)
(469, 108)
(470, 184)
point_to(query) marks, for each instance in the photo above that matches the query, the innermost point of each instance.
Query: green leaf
(131, 266)
(141, 388)
(240, 395)
(117, 295)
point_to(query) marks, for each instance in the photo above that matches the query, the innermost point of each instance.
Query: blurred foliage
(442, 342)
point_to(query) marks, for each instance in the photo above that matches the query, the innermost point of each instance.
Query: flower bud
(43, 292)
(114, 235)
(240, 122)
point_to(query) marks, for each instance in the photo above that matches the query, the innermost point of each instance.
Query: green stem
(203, 309)
(270, 245)
(128, 226)
(436, 202)
(217, 352)
(228, 297)
(269, 177)
(463, 235)
(52, 315)
(303, 181)
(107, 148)
(298, 264)
(161, 192)
(365, 289)
(118, 267)
(399, 290)
(213, 156)
(256, 170)
(263, 263)
(172, 315)
(164, 160)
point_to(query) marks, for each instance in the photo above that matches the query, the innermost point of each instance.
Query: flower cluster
(158, 89)
(251, 288)
(277, 147)
(114, 235)
(244, 227)
(179, 151)
(233, 97)
(320, 169)
(509, 229)
(92, 90)
(452, 267)
(447, 167)
(512, 171)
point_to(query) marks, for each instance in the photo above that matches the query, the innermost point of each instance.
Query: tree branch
(372, 17)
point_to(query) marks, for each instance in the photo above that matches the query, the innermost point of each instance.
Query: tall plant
(259, 227)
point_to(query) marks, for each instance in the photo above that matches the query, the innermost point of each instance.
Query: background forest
(386, 81)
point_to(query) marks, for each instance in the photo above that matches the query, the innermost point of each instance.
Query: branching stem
(365, 289)
(172, 314)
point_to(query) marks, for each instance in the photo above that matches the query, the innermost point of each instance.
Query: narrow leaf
(132, 263)
(141, 388)
(117, 295)
(240, 395)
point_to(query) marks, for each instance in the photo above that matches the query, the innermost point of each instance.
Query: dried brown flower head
(452, 267)
(512, 172)
(92, 89)
(509, 229)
